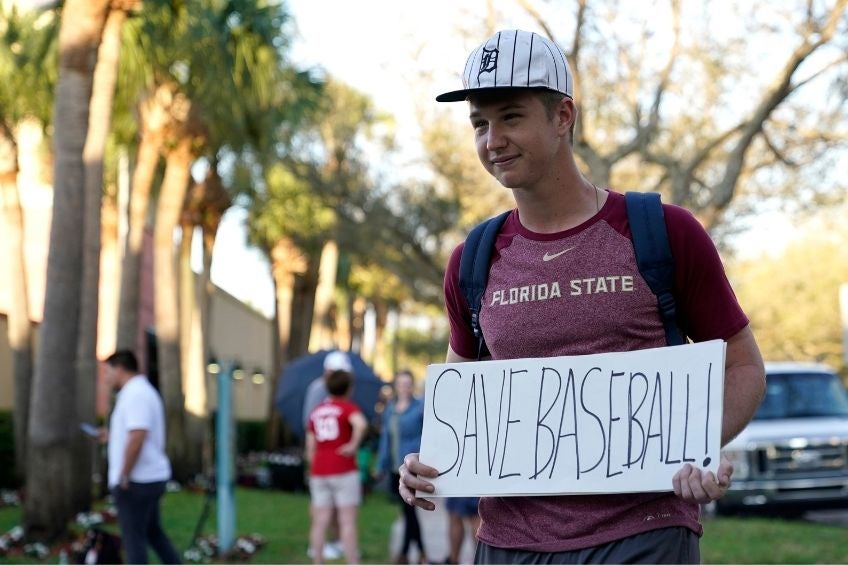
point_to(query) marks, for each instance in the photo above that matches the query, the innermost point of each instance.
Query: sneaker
(333, 550)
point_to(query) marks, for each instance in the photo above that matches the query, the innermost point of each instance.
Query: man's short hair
(124, 359)
(338, 382)
(551, 101)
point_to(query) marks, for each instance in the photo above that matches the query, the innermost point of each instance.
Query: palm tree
(179, 158)
(154, 111)
(52, 425)
(20, 327)
(221, 69)
(291, 223)
(100, 118)
(24, 48)
(205, 206)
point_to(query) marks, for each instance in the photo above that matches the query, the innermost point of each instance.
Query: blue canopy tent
(299, 374)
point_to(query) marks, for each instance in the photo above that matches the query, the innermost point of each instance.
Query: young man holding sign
(563, 281)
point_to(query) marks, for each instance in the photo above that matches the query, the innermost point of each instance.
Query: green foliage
(402, 231)
(7, 451)
(250, 436)
(289, 208)
(452, 156)
(327, 185)
(419, 348)
(28, 63)
(792, 299)
(373, 281)
(318, 166)
(230, 58)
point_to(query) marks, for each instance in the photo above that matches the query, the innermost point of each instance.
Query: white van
(793, 456)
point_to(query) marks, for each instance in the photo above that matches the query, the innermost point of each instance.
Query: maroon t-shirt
(579, 292)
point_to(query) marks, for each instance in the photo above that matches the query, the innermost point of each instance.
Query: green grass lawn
(283, 519)
(762, 540)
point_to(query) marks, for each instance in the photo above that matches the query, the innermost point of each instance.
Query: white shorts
(336, 490)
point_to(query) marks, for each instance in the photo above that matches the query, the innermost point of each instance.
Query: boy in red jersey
(335, 430)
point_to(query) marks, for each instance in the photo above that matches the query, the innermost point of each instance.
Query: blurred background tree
(27, 64)
(792, 295)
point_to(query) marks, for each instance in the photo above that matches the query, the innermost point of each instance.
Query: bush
(250, 436)
(7, 451)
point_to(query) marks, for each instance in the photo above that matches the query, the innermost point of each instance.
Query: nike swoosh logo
(548, 257)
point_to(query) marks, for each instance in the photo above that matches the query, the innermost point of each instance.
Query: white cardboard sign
(606, 423)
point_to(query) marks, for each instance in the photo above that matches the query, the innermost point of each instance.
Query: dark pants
(138, 515)
(668, 545)
(411, 526)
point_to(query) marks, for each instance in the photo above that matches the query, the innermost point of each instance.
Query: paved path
(832, 517)
(434, 526)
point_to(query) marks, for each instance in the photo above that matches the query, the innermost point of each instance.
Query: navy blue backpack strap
(474, 271)
(653, 255)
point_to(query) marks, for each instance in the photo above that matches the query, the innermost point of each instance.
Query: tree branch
(781, 89)
(643, 134)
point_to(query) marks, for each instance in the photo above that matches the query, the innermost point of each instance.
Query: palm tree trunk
(380, 361)
(145, 168)
(166, 307)
(153, 111)
(344, 321)
(205, 328)
(100, 118)
(214, 204)
(284, 257)
(322, 335)
(193, 365)
(19, 325)
(107, 316)
(53, 411)
(303, 310)
(356, 314)
(111, 252)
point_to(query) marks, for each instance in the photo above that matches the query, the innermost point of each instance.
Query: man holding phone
(138, 466)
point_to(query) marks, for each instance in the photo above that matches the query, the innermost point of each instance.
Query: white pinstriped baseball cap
(514, 59)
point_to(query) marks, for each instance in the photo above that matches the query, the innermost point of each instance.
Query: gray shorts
(338, 491)
(667, 545)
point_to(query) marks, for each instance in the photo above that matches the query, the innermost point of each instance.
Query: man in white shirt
(138, 465)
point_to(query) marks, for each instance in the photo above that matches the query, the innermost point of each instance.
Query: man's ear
(566, 115)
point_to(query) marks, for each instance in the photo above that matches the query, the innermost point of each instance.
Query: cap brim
(460, 95)
(453, 96)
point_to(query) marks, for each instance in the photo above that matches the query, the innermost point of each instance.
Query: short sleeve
(708, 306)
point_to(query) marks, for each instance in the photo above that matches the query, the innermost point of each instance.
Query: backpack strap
(653, 256)
(474, 271)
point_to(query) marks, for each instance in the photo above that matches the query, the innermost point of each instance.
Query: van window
(803, 395)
